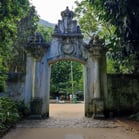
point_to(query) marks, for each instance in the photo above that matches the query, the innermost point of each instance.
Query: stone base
(35, 116)
(98, 116)
(39, 116)
(88, 114)
(98, 105)
(45, 115)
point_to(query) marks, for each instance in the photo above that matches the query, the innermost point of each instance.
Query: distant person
(67, 97)
(70, 98)
(61, 98)
(57, 99)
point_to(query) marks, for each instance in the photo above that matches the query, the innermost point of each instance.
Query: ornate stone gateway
(67, 44)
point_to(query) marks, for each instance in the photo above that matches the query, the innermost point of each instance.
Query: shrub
(23, 111)
(2, 83)
(10, 112)
(134, 116)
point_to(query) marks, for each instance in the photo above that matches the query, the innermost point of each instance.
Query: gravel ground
(67, 122)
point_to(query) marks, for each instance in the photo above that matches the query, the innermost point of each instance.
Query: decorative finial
(96, 41)
(36, 45)
(67, 13)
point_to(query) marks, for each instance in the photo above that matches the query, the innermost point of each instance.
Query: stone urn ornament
(36, 46)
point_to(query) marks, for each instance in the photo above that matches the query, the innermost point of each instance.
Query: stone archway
(67, 44)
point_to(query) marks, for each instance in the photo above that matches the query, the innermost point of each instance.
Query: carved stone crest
(68, 36)
(68, 46)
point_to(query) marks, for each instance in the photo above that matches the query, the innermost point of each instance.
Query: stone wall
(15, 86)
(123, 93)
(15, 90)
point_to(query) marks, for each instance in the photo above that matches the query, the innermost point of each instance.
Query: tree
(86, 18)
(90, 23)
(27, 26)
(61, 76)
(46, 32)
(10, 14)
(124, 15)
(3, 76)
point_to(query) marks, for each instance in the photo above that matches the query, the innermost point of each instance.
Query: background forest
(116, 21)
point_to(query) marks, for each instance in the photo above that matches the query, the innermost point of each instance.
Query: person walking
(70, 98)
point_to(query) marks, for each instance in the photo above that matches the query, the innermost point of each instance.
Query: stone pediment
(67, 27)
(67, 39)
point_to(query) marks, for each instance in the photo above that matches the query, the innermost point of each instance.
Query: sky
(50, 9)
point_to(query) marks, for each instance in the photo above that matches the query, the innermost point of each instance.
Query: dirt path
(67, 110)
(67, 122)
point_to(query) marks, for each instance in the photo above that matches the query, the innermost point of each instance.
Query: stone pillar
(89, 80)
(45, 86)
(33, 77)
(96, 77)
(37, 79)
(29, 80)
(86, 92)
(99, 60)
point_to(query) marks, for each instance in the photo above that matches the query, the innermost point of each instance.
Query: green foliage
(61, 77)
(11, 13)
(46, 32)
(10, 112)
(90, 20)
(23, 111)
(2, 83)
(110, 66)
(87, 18)
(3, 76)
(134, 116)
(26, 26)
(117, 21)
(124, 15)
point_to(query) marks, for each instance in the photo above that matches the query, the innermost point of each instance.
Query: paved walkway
(69, 127)
(67, 123)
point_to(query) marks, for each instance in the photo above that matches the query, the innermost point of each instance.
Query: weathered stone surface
(119, 86)
(123, 93)
(68, 123)
(67, 44)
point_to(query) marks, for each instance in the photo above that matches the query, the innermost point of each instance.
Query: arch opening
(66, 95)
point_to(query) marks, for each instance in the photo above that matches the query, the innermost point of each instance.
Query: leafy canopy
(11, 14)
(64, 74)
(124, 15)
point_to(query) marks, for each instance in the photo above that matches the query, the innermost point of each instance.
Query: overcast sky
(50, 9)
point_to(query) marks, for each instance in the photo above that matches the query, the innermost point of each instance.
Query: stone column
(37, 78)
(96, 77)
(97, 54)
(29, 80)
(33, 77)
(99, 88)
(89, 80)
(45, 86)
